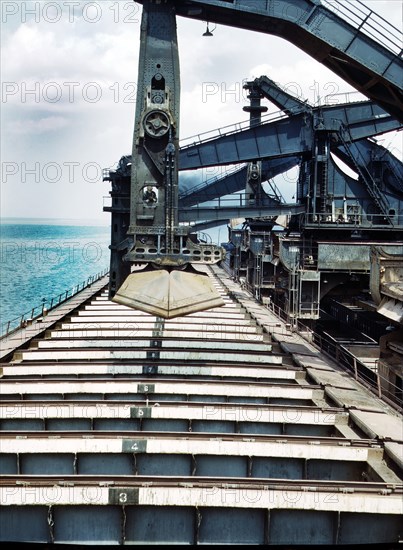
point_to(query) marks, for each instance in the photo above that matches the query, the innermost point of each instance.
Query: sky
(69, 71)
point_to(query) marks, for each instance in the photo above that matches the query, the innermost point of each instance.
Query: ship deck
(223, 426)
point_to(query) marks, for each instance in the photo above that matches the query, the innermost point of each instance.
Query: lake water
(39, 260)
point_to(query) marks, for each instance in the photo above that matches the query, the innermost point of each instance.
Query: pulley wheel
(156, 124)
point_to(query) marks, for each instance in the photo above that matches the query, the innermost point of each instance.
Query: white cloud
(39, 126)
(79, 58)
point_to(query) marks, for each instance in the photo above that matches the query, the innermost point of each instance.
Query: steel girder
(343, 41)
(291, 136)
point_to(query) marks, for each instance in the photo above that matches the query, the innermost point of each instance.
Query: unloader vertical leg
(168, 285)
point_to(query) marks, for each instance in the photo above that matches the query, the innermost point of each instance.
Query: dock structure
(219, 427)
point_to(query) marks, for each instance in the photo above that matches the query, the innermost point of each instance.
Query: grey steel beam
(204, 225)
(373, 160)
(290, 137)
(351, 40)
(233, 182)
(367, 154)
(219, 187)
(377, 168)
(284, 137)
(279, 97)
(201, 213)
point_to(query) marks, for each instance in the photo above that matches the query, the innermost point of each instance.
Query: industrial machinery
(164, 281)
(324, 249)
(328, 230)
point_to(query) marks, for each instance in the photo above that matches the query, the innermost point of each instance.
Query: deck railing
(371, 378)
(25, 319)
(367, 21)
(204, 137)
